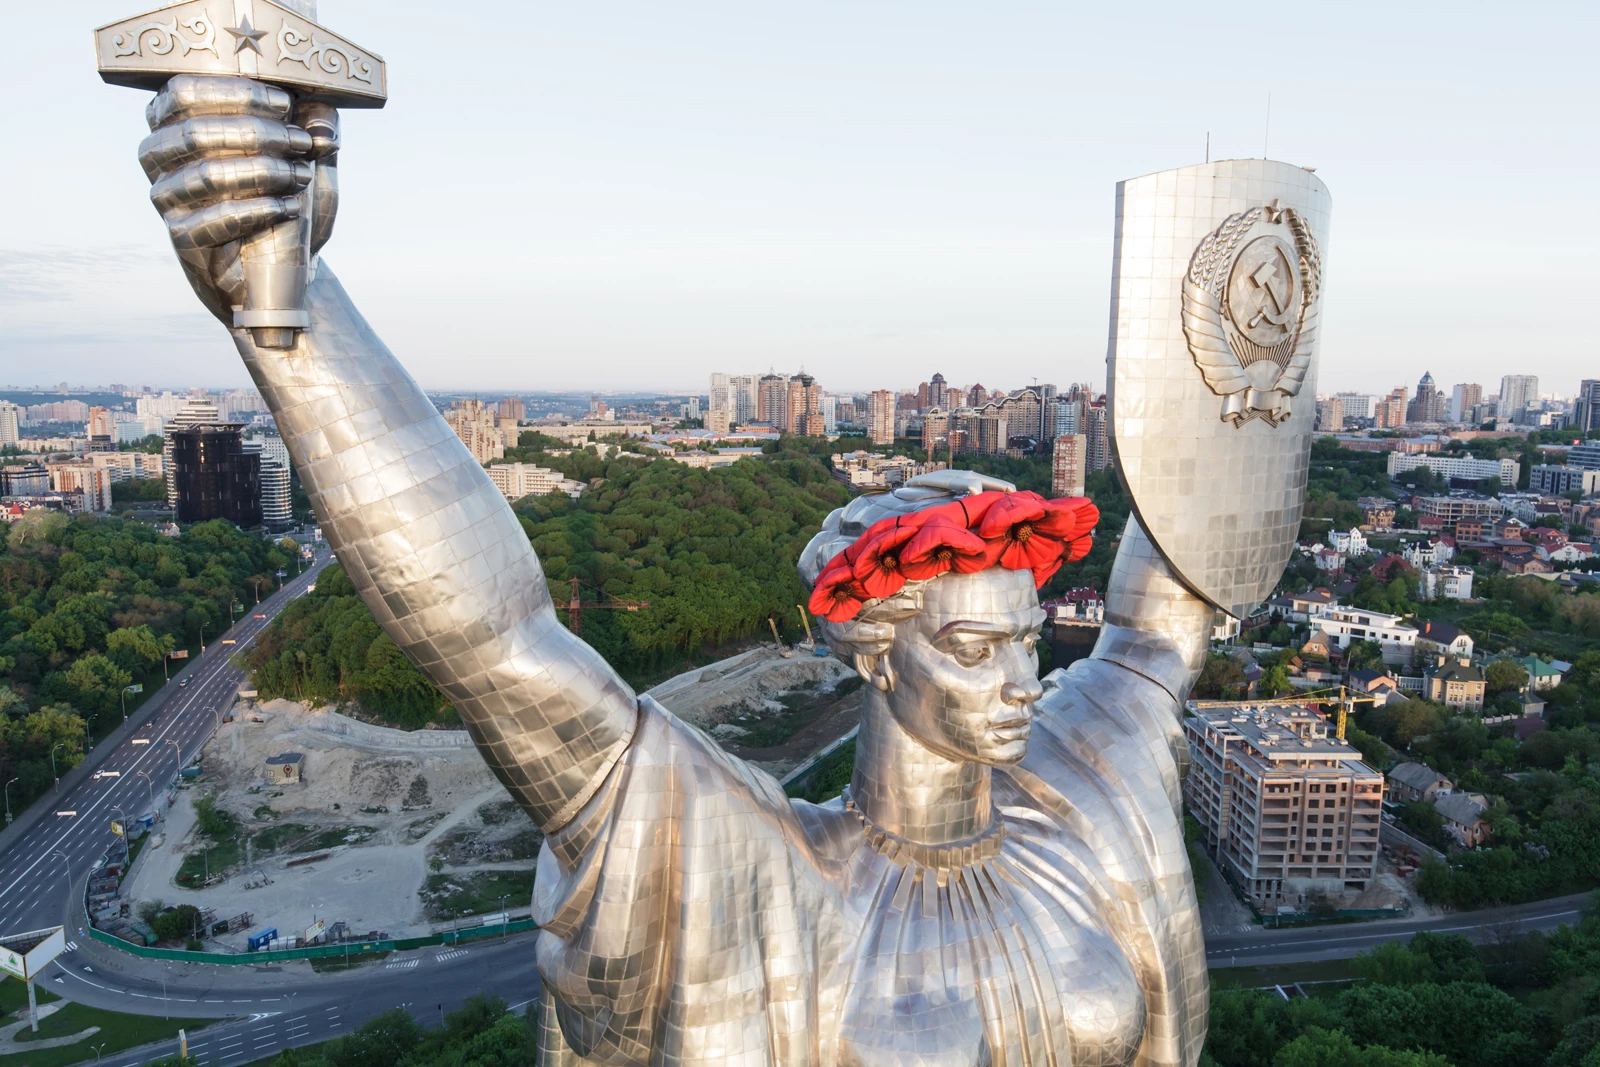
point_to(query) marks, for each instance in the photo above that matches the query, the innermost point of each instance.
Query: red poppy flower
(939, 547)
(838, 596)
(1043, 574)
(1007, 512)
(1078, 548)
(1068, 517)
(877, 568)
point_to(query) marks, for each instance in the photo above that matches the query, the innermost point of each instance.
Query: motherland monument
(1005, 879)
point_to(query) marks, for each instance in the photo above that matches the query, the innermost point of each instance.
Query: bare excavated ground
(399, 832)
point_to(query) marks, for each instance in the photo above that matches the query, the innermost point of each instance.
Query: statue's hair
(871, 632)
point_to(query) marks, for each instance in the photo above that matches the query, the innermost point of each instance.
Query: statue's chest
(996, 962)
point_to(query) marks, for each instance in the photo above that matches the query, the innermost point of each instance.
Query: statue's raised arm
(427, 540)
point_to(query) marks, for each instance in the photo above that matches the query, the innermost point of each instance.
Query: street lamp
(8, 801)
(66, 873)
(150, 796)
(134, 688)
(53, 773)
(97, 1050)
(177, 754)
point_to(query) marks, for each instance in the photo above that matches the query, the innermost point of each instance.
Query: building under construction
(1287, 810)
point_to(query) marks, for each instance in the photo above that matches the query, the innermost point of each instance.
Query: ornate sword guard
(271, 42)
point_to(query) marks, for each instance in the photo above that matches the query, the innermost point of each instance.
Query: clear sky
(576, 195)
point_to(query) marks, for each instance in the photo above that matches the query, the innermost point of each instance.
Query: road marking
(452, 954)
(401, 965)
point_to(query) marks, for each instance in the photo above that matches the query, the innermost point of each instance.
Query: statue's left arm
(429, 543)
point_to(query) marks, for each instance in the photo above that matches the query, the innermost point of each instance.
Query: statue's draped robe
(693, 915)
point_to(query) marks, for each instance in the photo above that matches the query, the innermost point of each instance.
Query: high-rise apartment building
(745, 391)
(479, 429)
(935, 430)
(213, 476)
(880, 417)
(803, 413)
(1586, 410)
(1068, 458)
(1428, 405)
(1330, 414)
(194, 411)
(830, 414)
(277, 511)
(1517, 392)
(101, 424)
(773, 402)
(1390, 412)
(10, 423)
(517, 480)
(93, 484)
(719, 403)
(936, 393)
(513, 408)
(1286, 809)
(977, 396)
(922, 396)
(1463, 398)
(1096, 431)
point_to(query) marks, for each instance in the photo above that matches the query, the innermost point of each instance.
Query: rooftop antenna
(1208, 146)
(1267, 133)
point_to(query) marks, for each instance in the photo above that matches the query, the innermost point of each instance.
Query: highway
(57, 851)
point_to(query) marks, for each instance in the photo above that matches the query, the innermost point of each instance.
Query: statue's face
(966, 676)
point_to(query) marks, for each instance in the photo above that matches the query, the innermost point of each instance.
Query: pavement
(64, 833)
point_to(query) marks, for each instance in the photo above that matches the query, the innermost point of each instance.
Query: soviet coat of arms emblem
(1250, 310)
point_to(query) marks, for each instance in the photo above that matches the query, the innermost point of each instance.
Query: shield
(1216, 296)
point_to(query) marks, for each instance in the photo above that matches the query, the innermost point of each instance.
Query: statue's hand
(228, 158)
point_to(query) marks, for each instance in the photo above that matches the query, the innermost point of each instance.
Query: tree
(1220, 679)
(1333, 1048)
(1504, 676)
(1364, 654)
(1274, 682)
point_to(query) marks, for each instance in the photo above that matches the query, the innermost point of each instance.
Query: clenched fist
(236, 165)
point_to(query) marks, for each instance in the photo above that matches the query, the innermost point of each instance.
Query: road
(58, 850)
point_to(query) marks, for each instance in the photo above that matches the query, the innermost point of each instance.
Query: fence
(349, 948)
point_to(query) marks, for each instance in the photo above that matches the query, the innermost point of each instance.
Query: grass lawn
(216, 859)
(117, 1031)
(451, 896)
(329, 964)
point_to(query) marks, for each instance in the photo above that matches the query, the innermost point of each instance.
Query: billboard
(25, 955)
(314, 931)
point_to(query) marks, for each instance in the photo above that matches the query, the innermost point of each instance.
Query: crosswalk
(452, 954)
(72, 946)
(402, 965)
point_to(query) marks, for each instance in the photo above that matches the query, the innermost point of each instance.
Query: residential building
(1542, 674)
(1068, 458)
(1454, 509)
(803, 413)
(1429, 403)
(1456, 683)
(28, 479)
(1463, 817)
(1463, 467)
(1286, 809)
(513, 408)
(1377, 513)
(479, 429)
(1390, 412)
(880, 417)
(864, 469)
(1426, 553)
(1096, 429)
(1517, 392)
(517, 480)
(719, 420)
(1395, 637)
(213, 476)
(1417, 783)
(1330, 414)
(1304, 607)
(10, 423)
(935, 429)
(1351, 542)
(277, 510)
(983, 432)
(123, 466)
(92, 484)
(1586, 409)
(1463, 399)
(195, 411)
(1559, 481)
(936, 392)
(1443, 582)
(773, 401)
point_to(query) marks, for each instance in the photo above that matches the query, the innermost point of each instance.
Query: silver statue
(1005, 881)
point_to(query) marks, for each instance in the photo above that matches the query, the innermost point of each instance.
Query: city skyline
(681, 191)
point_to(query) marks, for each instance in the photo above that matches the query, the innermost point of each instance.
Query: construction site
(303, 824)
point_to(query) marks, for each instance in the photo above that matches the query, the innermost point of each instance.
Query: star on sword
(245, 36)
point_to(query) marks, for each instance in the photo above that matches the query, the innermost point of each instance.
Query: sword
(273, 41)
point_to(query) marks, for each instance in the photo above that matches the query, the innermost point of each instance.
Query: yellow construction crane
(1340, 695)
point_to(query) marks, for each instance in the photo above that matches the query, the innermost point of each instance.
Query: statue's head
(931, 592)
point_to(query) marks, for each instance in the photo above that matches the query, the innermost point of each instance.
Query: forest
(711, 552)
(91, 605)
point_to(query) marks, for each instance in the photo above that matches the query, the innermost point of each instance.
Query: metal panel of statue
(1005, 880)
